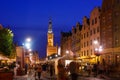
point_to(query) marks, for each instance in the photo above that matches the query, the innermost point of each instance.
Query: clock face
(49, 36)
(49, 40)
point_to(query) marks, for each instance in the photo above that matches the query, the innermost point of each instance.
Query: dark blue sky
(29, 18)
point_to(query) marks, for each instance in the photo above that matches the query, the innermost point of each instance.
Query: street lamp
(28, 50)
(28, 40)
(97, 49)
(67, 52)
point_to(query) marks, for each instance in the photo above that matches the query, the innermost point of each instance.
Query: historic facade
(85, 39)
(110, 30)
(51, 49)
(65, 42)
(94, 34)
(103, 26)
(76, 40)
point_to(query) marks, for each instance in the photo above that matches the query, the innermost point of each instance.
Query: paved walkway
(45, 76)
(20, 77)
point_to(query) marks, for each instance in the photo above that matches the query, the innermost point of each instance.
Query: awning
(3, 57)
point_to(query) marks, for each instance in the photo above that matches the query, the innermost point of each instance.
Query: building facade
(103, 26)
(85, 39)
(94, 34)
(76, 44)
(20, 56)
(110, 30)
(65, 42)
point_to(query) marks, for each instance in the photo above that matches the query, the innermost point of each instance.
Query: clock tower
(51, 49)
(50, 34)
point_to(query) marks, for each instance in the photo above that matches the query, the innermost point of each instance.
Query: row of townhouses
(97, 38)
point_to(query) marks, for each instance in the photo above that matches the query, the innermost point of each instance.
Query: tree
(6, 41)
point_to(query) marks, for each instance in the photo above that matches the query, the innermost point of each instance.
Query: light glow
(95, 42)
(28, 40)
(67, 52)
(27, 45)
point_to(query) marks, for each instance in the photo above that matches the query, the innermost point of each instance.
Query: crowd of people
(97, 69)
(41, 71)
(46, 70)
(74, 70)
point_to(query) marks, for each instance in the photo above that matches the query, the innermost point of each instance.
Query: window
(95, 20)
(81, 53)
(90, 42)
(92, 22)
(97, 29)
(87, 34)
(91, 51)
(84, 53)
(84, 35)
(94, 31)
(90, 32)
(84, 44)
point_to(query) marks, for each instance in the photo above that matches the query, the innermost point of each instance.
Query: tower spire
(50, 26)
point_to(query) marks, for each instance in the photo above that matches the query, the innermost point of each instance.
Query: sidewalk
(24, 77)
(80, 77)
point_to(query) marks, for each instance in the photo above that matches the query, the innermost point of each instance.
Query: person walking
(73, 67)
(89, 69)
(26, 68)
(39, 70)
(51, 70)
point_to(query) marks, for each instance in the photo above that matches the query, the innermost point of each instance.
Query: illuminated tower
(50, 34)
(51, 49)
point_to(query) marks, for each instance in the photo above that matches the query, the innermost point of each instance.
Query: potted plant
(6, 74)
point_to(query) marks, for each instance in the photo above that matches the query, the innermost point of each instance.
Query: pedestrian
(73, 67)
(26, 68)
(15, 71)
(51, 70)
(39, 70)
(89, 69)
(35, 68)
(95, 69)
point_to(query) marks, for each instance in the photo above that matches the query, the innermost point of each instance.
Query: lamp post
(28, 50)
(97, 49)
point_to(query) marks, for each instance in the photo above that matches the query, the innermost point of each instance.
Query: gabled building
(65, 42)
(76, 43)
(94, 34)
(85, 40)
